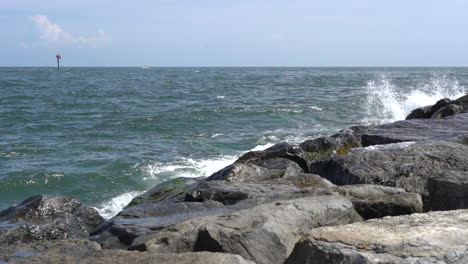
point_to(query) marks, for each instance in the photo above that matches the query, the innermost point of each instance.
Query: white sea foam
(111, 208)
(220, 96)
(315, 108)
(183, 167)
(386, 102)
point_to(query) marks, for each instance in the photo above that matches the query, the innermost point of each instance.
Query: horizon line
(390, 66)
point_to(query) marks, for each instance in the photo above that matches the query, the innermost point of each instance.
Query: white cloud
(54, 33)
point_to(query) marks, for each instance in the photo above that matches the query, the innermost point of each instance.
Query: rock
(46, 217)
(375, 201)
(120, 231)
(447, 128)
(448, 110)
(324, 148)
(264, 234)
(280, 150)
(239, 172)
(449, 190)
(19, 252)
(303, 180)
(229, 193)
(407, 166)
(427, 111)
(442, 108)
(436, 237)
(87, 252)
(171, 189)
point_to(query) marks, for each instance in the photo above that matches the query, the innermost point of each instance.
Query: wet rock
(427, 111)
(264, 234)
(239, 172)
(448, 110)
(280, 150)
(229, 193)
(46, 217)
(324, 148)
(84, 252)
(436, 237)
(407, 166)
(449, 190)
(442, 108)
(168, 190)
(417, 130)
(120, 231)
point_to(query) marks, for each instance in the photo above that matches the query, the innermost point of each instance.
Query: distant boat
(146, 67)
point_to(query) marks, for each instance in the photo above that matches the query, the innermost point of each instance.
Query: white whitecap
(315, 108)
(112, 207)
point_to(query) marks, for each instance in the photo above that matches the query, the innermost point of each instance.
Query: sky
(234, 33)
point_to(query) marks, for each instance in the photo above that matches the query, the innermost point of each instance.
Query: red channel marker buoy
(58, 60)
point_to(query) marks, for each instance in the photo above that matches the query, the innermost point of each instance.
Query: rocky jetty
(393, 193)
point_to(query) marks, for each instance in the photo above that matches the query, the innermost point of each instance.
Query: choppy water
(104, 135)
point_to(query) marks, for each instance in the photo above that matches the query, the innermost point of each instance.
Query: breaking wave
(184, 167)
(385, 102)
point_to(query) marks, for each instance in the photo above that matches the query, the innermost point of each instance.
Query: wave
(183, 167)
(386, 102)
(115, 205)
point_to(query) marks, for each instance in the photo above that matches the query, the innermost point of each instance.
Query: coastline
(324, 199)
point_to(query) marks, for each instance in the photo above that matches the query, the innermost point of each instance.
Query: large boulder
(281, 150)
(436, 237)
(323, 148)
(427, 111)
(376, 201)
(239, 172)
(402, 165)
(448, 128)
(264, 234)
(46, 217)
(173, 189)
(448, 190)
(87, 252)
(442, 108)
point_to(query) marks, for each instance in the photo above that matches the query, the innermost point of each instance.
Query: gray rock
(264, 234)
(407, 166)
(323, 148)
(173, 189)
(427, 111)
(87, 252)
(436, 237)
(442, 108)
(448, 128)
(239, 172)
(280, 150)
(375, 201)
(46, 217)
(449, 190)
(448, 110)
(229, 193)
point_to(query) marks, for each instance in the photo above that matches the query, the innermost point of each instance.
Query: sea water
(105, 135)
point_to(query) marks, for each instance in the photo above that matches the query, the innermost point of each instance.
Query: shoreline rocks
(354, 197)
(435, 237)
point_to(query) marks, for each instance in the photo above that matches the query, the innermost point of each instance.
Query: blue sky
(234, 32)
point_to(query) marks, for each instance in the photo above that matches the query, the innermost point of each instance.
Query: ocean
(105, 135)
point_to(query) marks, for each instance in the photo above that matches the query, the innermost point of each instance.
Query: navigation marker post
(58, 60)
